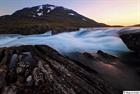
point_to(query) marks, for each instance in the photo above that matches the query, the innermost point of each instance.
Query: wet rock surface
(132, 39)
(117, 71)
(42, 70)
(101, 56)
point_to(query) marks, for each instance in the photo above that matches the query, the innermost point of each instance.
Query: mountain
(117, 26)
(43, 18)
(137, 25)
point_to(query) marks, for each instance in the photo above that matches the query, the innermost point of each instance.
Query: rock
(29, 80)
(105, 55)
(3, 72)
(132, 39)
(89, 55)
(112, 68)
(42, 70)
(9, 90)
(101, 56)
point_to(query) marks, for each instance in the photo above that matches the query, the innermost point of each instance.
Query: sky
(112, 12)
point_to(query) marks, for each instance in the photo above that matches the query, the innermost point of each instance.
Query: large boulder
(131, 38)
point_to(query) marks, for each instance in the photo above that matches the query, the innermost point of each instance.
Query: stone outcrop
(116, 70)
(132, 39)
(42, 70)
(101, 56)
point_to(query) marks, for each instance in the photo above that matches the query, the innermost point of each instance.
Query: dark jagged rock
(115, 70)
(42, 70)
(101, 56)
(132, 39)
(106, 55)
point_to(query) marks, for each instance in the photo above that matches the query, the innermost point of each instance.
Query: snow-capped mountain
(53, 12)
(45, 17)
(44, 10)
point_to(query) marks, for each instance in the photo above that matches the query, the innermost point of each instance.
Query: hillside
(40, 19)
(137, 25)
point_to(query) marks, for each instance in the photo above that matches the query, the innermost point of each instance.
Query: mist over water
(84, 40)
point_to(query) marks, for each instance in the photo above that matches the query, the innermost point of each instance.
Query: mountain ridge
(43, 18)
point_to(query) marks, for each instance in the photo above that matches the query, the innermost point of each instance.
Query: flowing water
(89, 40)
(86, 40)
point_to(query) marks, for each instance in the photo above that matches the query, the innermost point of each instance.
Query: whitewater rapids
(84, 40)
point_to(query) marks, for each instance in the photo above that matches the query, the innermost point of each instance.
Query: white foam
(88, 40)
(51, 7)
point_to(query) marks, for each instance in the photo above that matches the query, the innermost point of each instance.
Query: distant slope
(137, 25)
(117, 26)
(42, 18)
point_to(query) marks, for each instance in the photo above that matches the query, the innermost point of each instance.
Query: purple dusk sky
(113, 12)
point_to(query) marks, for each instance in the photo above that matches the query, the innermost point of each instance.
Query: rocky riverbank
(117, 71)
(42, 70)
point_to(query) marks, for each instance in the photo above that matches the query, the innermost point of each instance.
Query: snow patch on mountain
(40, 13)
(48, 11)
(84, 19)
(71, 14)
(40, 8)
(52, 7)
